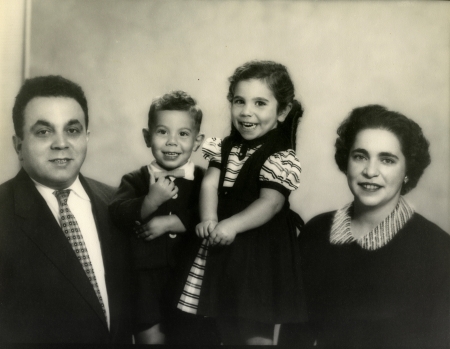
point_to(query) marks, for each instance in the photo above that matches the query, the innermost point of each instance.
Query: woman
(377, 273)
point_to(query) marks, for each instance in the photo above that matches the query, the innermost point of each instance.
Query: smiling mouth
(247, 125)
(171, 154)
(370, 186)
(60, 161)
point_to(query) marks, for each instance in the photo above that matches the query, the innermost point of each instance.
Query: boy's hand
(223, 234)
(203, 229)
(154, 228)
(161, 191)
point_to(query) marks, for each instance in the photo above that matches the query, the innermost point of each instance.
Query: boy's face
(172, 137)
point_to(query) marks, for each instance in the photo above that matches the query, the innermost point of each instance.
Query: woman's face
(376, 169)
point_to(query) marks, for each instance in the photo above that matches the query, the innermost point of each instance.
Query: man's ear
(198, 141)
(17, 143)
(282, 116)
(147, 137)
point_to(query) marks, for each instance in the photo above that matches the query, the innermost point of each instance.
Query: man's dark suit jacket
(45, 296)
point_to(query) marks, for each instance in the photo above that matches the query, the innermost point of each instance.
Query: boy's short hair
(46, 86)
(176, 100)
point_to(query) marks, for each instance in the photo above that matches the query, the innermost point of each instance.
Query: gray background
(340, 55)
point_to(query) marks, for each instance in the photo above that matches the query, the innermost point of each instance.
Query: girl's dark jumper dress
(258, 276)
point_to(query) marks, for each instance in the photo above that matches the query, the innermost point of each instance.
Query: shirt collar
(383, 233)
(188, 168)
(76, 188)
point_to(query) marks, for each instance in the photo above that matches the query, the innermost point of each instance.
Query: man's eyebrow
(74, 122)
(42, 123)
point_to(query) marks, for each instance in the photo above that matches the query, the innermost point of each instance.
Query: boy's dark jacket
(125, 211)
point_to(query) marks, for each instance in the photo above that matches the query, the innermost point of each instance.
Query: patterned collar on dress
(383, 233)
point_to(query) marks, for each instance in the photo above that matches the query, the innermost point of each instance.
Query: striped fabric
(191, 293)
(383, 233)
(283, 167)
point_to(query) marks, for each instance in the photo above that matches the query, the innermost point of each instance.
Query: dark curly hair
(46, 86)
(277, 78)
(176, 100)
(413, 143)
(274, 74)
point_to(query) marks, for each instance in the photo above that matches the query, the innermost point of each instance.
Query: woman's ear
(147, 137)
(282, 115)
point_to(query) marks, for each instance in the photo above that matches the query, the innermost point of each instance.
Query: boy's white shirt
(188, 168)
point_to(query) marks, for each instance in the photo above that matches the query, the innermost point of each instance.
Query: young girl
(246, 273)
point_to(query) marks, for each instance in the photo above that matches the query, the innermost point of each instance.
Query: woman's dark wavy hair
(413, 143)
(277, 78)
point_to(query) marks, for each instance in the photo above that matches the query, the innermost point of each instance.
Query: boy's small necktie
(72, 232)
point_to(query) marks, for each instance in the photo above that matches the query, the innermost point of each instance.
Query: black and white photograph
(225, 172)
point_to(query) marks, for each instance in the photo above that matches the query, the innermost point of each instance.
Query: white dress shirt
(80, 206)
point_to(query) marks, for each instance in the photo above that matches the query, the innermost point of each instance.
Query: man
(63, 265)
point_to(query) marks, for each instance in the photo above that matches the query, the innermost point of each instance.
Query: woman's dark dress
(397, 295)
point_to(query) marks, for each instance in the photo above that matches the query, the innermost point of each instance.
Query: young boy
(159, 204)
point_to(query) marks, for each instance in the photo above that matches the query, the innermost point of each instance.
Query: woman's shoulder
(319, 225)
(322, 218)
(424, 228)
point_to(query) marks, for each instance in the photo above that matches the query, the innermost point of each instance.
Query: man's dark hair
(46, 86)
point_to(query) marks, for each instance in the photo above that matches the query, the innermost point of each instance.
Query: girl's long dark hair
(277, 78)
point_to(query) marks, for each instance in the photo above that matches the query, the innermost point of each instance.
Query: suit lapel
(38, 222)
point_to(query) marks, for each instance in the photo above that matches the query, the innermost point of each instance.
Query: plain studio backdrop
(341, 55)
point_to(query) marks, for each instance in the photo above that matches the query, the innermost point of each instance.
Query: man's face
(54, 141)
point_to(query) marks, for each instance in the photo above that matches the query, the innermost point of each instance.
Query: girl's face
(376, 169)
(254, 109)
